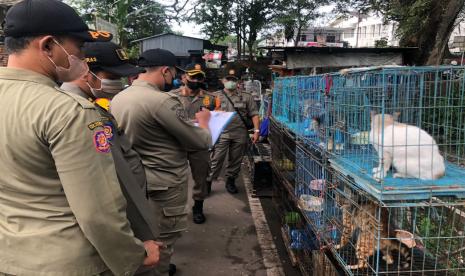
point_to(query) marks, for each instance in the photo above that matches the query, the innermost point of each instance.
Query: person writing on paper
(194, 97)
(234, 138)
(159, 129)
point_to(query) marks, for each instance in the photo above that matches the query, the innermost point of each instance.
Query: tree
(426, 24)
(244, 19)
(134, 18)
(293, 16)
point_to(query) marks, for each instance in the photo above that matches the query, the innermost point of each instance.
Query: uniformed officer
(194, 97)
(234, 138)
(108, 64)
(62, 209)
(161, 132)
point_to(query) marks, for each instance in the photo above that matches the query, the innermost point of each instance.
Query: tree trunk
(238, 45)
(432, 39)
(299, 33)
(446, 27)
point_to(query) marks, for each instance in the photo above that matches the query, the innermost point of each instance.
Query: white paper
(218, 122)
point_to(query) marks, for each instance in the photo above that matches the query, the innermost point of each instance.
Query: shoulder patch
(101, 142)
(180, 112)
(95, 125)
(84, 103)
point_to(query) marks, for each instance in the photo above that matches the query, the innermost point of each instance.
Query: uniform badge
(95, 125)
(122, 54)
(101, 142)
(182, 114)
(206, 101)
(108, 129)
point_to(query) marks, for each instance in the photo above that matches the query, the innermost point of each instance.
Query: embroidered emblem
(108, 129)
(95, 125)
(181, 112)
(122, 54)
(101, 142)
(206, 101)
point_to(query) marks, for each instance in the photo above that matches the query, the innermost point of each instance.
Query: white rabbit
(411, 151)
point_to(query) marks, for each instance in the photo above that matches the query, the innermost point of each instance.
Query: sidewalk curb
(270, 255)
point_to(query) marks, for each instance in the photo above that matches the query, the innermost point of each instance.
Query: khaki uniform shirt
(62, 211)
(246, 106)
(193, 104)
(159, 130)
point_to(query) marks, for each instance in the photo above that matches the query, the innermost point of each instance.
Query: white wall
(367, 31)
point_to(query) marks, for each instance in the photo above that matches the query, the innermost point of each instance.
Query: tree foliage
(426, 24)
(293, 16)
(241, 18)
(134, 18)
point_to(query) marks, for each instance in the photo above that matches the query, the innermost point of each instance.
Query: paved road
(226, 244)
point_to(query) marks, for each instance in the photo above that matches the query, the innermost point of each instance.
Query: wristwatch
(256, 130)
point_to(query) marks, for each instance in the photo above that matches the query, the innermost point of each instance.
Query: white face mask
(76, 69)
(108, 88)
(230, 85)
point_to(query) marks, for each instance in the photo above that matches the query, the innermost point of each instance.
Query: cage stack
(380, 174)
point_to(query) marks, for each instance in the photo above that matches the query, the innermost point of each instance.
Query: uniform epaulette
(84, 103)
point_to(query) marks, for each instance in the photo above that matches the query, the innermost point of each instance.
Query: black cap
(157, 57)
(110, 57)
(48, 17)
(193, 69)
(231, 74)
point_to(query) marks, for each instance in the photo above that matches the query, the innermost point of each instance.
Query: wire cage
(400, 132)
(298, 238)
(312, 178)
(298, 103)
(282, 144)
(324, 266)
(418, 237)
(284, 100)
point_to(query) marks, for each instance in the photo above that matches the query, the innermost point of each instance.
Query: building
(365, 30)
(317, 60)
(187, 49)
(310, 37)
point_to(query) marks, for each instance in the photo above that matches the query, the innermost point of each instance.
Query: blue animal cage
(391, 128)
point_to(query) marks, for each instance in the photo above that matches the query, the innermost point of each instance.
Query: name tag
(239, 105)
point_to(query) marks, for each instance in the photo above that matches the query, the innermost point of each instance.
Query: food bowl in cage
(310, 203)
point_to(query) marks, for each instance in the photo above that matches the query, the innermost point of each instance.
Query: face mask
(230, 85)
(168, 86)
(194, 86)
(108, 88)
(76, 68)
(177, 83)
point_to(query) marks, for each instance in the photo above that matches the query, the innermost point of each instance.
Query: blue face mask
(177, 83)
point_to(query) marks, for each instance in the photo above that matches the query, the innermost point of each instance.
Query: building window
(364, 32)
(331, 38)
(315, 38)
(303, 38)
(372, 30)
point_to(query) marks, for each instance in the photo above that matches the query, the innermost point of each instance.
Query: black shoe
(172, 270)
(231, 186)
(209, 187)
(197, 212)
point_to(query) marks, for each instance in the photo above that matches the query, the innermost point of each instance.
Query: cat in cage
(371, 232)
(409, 150)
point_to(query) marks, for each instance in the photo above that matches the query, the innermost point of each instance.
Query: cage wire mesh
(421, 237)
(297, 236)
(379, 170)
(400, 130)
(283, 145)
